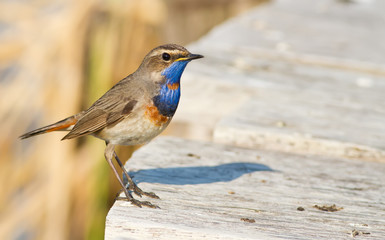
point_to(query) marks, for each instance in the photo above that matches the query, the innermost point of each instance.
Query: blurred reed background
(56, 58)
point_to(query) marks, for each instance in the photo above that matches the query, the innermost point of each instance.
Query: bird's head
(164, 66)
(166, 63)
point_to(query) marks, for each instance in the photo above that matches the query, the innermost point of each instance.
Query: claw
(136, 202)
(148, 204)
(139, 203)
(136, 190)
(140, 192)
(151, 195)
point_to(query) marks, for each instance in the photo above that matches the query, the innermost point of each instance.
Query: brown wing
(97, 119)
(108, 110)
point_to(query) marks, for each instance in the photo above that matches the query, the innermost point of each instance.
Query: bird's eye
(166, 56)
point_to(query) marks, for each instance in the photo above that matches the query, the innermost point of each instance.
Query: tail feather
(62, 125)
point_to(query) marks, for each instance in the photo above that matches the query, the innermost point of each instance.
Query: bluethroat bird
(133, 111)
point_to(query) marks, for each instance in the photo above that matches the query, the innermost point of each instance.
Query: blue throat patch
(168, 98)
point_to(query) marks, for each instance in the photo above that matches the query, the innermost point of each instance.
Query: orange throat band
(173, 86)
(152, 113)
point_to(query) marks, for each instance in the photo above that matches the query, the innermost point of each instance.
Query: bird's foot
(134, 188)
(138, 203)
(143, 203)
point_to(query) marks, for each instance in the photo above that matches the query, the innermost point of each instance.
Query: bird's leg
(109, 154)
(132, 186)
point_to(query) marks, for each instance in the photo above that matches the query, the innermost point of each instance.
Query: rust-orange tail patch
(61, 125)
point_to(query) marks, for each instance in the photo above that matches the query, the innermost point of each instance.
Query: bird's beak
(190, 57)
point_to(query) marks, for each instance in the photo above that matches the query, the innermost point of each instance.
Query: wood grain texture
(292, 78)
(286, 45)
(207, 189)
(274, 86)
(302, 122)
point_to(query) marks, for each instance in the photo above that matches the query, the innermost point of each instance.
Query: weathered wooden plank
(332, 100)
(303, 122)
(211, 191)
(316, 49)
(330, 110)
(326, 28)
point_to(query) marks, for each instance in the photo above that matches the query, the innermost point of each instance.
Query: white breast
(138, 128)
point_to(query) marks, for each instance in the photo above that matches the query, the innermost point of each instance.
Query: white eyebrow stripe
(172, 52)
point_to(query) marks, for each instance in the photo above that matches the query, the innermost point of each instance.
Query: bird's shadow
(197, 175)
